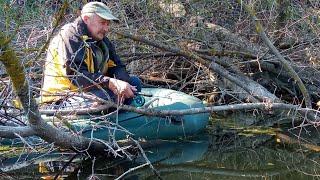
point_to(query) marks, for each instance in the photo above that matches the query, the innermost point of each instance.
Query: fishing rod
(144, 94)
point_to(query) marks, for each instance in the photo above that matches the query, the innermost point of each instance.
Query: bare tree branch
(10, 131)
(284, 62)
(257, 92)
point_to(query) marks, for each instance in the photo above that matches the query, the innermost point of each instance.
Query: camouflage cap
(100, 9)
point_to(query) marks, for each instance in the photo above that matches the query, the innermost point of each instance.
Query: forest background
(265, 53)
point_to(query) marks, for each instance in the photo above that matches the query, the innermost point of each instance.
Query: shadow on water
(211, 155)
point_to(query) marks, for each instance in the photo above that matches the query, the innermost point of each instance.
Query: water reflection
(235, 162)
(206, 157)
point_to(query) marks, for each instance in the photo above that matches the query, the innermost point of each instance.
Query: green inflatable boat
(142, 126)
(120, 125)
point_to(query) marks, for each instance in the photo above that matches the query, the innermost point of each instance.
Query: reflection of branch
(146, 159)
(12, 164)
(65, 166)
(131, 170)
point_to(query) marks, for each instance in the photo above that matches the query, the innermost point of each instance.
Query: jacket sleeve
(76, 68)
(118, 71)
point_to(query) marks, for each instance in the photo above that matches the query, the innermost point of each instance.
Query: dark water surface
(215, 154)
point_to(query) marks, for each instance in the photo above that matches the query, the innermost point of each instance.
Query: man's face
(97, 26)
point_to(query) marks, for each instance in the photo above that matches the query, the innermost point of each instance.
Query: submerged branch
(292, 141)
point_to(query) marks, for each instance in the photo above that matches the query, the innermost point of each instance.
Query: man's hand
(122, 89)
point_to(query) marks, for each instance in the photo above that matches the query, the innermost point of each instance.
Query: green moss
(258, 27)
(13, 68)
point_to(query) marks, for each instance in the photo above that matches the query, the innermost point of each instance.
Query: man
(82, 59)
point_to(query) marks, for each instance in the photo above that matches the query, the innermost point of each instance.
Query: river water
(217, 153)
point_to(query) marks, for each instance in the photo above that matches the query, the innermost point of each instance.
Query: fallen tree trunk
(254, 89)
